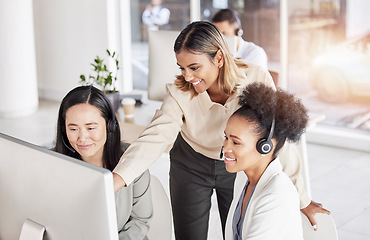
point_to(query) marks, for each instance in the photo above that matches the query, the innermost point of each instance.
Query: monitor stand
(32, 231)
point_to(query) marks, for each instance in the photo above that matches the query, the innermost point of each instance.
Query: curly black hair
(261, 104)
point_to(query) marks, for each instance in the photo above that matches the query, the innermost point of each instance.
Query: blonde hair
(204, 37)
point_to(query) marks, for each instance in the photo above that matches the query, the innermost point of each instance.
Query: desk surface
(131, 128)
(143, 113)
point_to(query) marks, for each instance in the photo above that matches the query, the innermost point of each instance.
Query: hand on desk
(311, 210)
(118, 182)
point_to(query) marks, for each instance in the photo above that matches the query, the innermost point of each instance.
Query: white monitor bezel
(70, 198)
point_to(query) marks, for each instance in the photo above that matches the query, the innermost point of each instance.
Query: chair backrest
(162, 61)
(161, 224)
(275, 77)
(326, 228)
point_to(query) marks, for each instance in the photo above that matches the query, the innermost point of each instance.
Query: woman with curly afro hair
(254, 135)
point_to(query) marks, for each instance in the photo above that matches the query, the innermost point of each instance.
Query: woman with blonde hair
(191, 120)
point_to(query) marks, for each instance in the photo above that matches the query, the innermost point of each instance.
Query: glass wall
(328, 55)
(328, 50)
(328, 66)
(179, 18)
(259, 20)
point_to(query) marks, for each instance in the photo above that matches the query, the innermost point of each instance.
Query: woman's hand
(118, 182)
(311, 210)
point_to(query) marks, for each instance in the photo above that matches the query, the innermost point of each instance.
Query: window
(179, 18)
(318, 32)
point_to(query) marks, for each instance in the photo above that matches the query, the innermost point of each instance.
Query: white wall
(69, 34)
(18, 91)
(358, 18)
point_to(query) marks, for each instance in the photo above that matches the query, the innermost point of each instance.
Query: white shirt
(157, 17)
(251, 53)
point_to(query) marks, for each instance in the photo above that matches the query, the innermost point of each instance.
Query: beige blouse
(201, 123)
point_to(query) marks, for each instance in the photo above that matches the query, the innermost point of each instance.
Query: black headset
(264, 146)
(112, 124)
(222, 152)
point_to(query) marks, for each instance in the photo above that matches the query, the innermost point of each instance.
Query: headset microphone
(71, 149)
(222, 153)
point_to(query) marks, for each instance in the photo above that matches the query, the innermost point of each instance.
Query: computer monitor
(44, 190)
(162, 61)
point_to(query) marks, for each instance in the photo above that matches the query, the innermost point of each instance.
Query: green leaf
(102, 75)
(109, 79)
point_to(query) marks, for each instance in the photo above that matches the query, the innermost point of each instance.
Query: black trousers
(192, 180)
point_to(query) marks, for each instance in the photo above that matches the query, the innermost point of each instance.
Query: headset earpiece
(239, 32)
(111, 125)
(264, 146)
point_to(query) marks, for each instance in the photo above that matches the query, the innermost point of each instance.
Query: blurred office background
(319, 48)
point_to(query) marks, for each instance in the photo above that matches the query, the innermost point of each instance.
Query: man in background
(228, 23)
(155, 15)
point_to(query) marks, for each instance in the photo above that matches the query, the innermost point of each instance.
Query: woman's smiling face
(239, 145)
(86, 131)
(198, 69)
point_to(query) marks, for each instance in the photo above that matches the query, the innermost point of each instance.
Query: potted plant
(105, 78)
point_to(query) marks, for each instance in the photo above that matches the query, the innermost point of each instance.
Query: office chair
(326, 228)
(160, 227)
(275, 77)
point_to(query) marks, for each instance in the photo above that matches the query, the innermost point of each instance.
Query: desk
(131, 128)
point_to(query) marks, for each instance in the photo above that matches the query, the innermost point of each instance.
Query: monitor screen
(67, 197)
